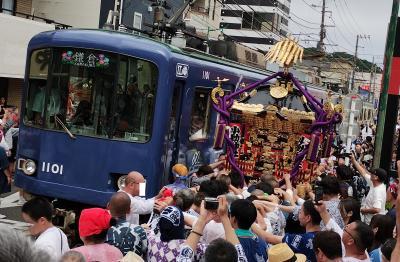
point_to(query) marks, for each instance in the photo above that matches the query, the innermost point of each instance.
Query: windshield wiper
(64, 127)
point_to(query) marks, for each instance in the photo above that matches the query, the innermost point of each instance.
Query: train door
(198, 127)
(171, 150)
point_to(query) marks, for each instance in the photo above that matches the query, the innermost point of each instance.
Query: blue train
(98, 104)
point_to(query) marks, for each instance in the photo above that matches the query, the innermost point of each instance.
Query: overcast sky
(351, 17)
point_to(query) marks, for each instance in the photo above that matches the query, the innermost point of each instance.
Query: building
(30, 17)
(16, 16)
(204, 16)
(255, 23)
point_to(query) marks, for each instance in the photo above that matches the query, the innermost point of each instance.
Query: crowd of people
(9, 119)
(347, 213)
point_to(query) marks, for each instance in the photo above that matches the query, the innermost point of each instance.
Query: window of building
(247, 20)
(284, 21)
(200, 117)
(8, 5)
(137, 20)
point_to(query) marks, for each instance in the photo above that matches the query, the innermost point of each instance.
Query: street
(10, 211)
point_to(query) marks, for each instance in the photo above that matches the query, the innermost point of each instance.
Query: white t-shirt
(54, 242)
(212, 231)
(366, 131)
(376, 198)
(139, 206)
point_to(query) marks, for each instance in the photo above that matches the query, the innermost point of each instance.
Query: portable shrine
(275, 126)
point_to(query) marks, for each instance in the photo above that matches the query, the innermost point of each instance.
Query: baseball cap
(93, 221)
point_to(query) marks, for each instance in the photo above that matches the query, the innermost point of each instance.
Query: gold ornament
(339, 108)
(218, 90)
(280, 90)
(328, 105)
(286, 52)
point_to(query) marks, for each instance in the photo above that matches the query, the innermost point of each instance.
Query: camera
(347, 154)
(211, 203)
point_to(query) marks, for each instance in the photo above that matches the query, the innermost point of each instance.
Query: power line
(292, 13)
(342, 11)
(313, 28)
(351, 15)
(311, 6)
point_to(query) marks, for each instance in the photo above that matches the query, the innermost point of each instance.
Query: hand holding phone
(319, 192)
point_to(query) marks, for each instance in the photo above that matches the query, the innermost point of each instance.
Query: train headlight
(29, 167)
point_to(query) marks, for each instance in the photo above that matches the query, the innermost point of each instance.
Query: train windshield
(91, 93)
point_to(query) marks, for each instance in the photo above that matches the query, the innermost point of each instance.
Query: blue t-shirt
(375, 255)
(302, 243)
(254, 247)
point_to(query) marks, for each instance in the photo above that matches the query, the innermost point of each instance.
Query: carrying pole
(390, 41)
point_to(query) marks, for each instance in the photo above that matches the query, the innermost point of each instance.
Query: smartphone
(142, 189)
(211, 203)
(318, 194)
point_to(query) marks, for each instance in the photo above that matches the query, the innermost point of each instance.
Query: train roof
(118, 42)
(121, 42)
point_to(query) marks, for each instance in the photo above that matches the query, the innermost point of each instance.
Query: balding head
(134, 177)
(119, 205)
(132, 183)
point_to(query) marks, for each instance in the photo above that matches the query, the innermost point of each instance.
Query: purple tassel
(313, 146)
(327, 145)
(219, 136)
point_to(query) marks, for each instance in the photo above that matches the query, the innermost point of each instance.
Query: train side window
(200, 117)
(35, 98)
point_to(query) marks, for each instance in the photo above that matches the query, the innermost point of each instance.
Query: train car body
(98, 104)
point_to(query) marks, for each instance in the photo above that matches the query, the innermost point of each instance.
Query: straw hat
(282, 253)
(132, 257)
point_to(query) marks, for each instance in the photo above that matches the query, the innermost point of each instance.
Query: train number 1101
(52, 168)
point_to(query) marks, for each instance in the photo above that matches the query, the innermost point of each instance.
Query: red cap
(93, 221)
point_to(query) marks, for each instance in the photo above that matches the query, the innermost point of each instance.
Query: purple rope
(304, 91)
(252, 86)
(222, 112)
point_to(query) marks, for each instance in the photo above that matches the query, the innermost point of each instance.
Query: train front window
(84, 93)
(38, 74)
(81, 91)
(135, 100)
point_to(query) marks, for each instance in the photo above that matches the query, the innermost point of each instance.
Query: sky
(350, 17)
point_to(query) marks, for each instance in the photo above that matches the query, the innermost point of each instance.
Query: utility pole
(322, 32)
(372, 76)
(355, 59)
(383, 100)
